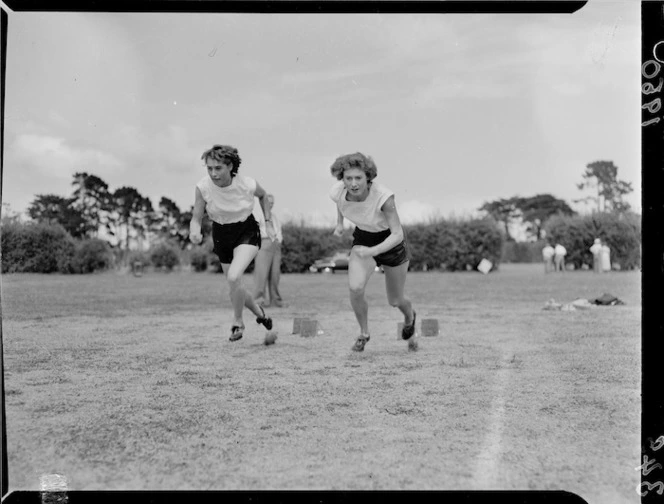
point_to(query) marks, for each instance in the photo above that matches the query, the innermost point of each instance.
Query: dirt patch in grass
(120, 382)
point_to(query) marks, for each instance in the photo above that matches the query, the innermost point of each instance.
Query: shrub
(138, 256)
(93, 255)
(443, 244)
(448, 250)
(481, 239)
(522, 252)
(164, 256)
(199, 259)
(36, 248)
(621, 232)
(427, 245)
(454, 244)
(303, 245)
(214, 263)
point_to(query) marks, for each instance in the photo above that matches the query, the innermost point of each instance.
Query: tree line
(606, 194)
(123, 216)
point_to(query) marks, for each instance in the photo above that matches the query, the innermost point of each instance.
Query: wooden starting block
(297, 324)
(309, 327)
(430, 327)
(399, 328)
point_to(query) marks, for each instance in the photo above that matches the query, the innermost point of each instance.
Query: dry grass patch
(130, 383)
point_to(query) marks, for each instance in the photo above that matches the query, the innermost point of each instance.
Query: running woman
(228, 199)
(378, 239)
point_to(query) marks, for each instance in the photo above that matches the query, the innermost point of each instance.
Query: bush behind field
(92, 255)
(304, 244)
(164, 256)
(45, 248)
(522, 252)
(199, 259)
(449, 245)
(37, 248)
(621, 232)
(454, 245)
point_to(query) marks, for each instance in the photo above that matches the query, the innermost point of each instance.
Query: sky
(455, 110)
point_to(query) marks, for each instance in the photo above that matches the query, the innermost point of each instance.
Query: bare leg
(275, 276)
(242, 257)
(261, 272)
(359, 272)
(395, 280)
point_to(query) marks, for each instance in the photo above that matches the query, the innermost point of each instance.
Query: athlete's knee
(395, 301)
(234, 278)
(356, 291)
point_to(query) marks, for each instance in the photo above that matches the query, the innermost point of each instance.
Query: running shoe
(360, 342)
(409, 330)
(236, 333)
(265, 320)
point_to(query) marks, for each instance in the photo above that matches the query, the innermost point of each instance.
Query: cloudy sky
(456, 110)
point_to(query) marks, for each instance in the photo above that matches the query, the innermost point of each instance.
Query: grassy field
(117, 382)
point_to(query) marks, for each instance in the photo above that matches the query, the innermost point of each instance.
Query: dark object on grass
(607, 300)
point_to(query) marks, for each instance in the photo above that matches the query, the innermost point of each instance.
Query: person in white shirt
(228, 199)
(606, 258)
(547, 255)
(378, 239)
(267, 265)
(596, 251)
(559, 257)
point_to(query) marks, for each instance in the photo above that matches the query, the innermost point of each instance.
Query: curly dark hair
(357, 160)
(224, 153)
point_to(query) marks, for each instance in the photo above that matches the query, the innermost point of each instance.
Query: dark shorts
(228, 236)
(393, 257)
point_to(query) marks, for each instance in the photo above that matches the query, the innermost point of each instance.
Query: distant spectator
(547, 255)
(267, 264)
(606, 258)
(596, 251)
(559, 257)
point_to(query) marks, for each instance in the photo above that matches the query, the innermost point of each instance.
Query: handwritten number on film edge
(657, 444)
(647, 467)
(653, 107)
(648, 88)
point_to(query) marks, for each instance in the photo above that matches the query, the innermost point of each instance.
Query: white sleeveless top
(367, 214)
(226, 205)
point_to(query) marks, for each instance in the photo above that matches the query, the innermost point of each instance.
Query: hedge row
(303, 245)
(451, 246)
(522, 252)
(443, 245)
(48, 248)
(455, 245)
